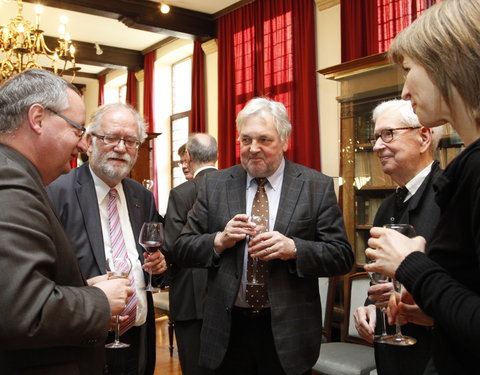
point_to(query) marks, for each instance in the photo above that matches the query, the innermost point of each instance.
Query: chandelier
(22, 44)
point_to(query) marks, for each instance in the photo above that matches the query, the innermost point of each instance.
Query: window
(395, 15)
(180, 119)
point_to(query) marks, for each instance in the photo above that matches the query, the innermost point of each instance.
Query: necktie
(257, 295)
(119, 250)
(400, 195)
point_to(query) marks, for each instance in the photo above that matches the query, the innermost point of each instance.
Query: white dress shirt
(102, 190)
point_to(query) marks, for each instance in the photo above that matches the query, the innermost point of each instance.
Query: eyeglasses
(181, 163)
(387, 134)
(71, 122)
(113, 140)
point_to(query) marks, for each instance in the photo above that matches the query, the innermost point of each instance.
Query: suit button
(227, 309)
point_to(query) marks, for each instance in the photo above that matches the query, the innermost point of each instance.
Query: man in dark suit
(406, 151)
(80, 200)
(188, 286)
(274, 328)
(51, 321)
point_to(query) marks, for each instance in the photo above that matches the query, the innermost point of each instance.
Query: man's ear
(426, 138)
(36, 114)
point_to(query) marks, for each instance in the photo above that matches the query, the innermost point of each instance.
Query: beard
(111, 170)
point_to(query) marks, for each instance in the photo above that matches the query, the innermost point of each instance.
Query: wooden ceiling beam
(112, 57)
(145, 15)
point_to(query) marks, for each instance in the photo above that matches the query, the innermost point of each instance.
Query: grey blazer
(309, 214)
(51, 322)
(74, 199)
(187, 285)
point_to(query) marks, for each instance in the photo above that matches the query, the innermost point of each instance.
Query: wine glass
(398, 338)
(152, 240)
(118, 268)
(259, 228)
(379, 278)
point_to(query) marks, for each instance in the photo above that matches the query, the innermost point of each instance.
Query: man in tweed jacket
(306, 240)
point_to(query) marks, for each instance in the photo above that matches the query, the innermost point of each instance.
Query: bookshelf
(364, 83)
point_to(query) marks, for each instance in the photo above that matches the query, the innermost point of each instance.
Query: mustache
(116, 155)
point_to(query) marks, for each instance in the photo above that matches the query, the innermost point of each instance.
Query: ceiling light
(164, 8)
(22, 43)
(98, 50)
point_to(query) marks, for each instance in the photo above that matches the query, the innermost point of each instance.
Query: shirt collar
(102, 188)
(201, 169)
(414, 184)
(274, 180)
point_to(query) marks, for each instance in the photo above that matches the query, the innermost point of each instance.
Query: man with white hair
(83, 200)
(406, 151)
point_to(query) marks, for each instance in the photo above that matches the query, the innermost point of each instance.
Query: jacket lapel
(87, 200)
(291, 187)
(136, 214)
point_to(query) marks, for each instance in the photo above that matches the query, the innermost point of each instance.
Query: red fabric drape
(131, 97)
(197, 114)
(256, 58)
(148, 102)
(369, 26)
(101, 85)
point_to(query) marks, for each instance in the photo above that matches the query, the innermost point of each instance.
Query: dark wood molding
(112, 57)
(355, 66)
(145, 15)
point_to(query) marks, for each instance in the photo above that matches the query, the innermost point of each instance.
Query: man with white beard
(84, 199)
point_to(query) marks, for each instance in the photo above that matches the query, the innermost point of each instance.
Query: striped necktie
(119, 250)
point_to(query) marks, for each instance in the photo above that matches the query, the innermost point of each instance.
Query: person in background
(51, 321)
(406, 151)
(440, 53)
(83, 199)
(183, 163)
(256, 329)
(188, 286)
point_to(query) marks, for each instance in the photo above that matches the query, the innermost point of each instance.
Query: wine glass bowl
(118, 268)
(260, 227)
(398, 338)
(151, 239)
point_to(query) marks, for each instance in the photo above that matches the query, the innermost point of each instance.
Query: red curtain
(148, 102)
(258, 56)
(369, 26)
(131, 97)
(197, 114)
(101, 86)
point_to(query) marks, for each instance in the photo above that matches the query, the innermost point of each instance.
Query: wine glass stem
(384, 326)
(117, 329)
(254, 270)
(149, 279)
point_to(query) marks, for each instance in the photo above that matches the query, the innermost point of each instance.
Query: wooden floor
(165, 365)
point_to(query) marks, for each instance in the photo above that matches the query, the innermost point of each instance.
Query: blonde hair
(445, 40)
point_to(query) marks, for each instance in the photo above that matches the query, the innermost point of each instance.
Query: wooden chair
(162, 307)
(353, 355)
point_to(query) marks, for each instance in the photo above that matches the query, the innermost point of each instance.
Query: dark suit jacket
(423, 213)
(74, 199)
(308, 213)
(50, 321)
(187, 285)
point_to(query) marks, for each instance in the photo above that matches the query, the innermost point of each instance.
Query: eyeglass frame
(71, 122)
(125, 140)
(384, 132)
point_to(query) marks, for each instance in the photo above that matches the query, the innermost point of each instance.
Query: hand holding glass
(259, 228)
(398, 338)
(118, 268)
(152, 240)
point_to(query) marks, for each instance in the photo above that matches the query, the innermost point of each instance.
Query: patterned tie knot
(113, 193)
(261, 181)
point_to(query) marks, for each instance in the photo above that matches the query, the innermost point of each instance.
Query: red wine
(152, 246)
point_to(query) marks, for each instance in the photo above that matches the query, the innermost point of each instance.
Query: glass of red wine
(152, 240)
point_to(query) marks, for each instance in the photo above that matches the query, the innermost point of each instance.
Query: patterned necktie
(257, 295)
(119, 250)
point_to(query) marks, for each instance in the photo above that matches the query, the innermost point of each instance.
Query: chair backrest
(355, 292)
(326, 287)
